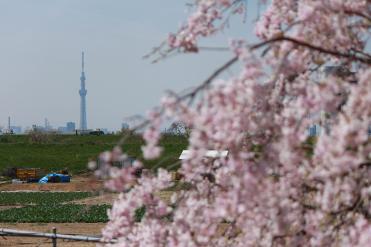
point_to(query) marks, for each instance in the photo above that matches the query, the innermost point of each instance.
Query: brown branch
(362, 53)
(341, 214)
(191, 94)
(357, 13)
(233, 60)
(312, 47)
(214, 75)
(365, 164)
(283, 236)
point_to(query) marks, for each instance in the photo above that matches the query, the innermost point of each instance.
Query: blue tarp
(55, 177)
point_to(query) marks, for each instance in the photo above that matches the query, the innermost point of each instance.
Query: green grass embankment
(55, 152)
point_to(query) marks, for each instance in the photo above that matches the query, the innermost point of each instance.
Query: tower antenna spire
(82, 61)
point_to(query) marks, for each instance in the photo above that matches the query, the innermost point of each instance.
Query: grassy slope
(73, 152)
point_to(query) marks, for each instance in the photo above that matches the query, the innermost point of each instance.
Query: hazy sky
(40, 50)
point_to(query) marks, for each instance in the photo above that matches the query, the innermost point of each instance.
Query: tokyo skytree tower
(82, 92)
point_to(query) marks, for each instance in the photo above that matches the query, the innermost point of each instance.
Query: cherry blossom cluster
(278, 186)
(206, 20)
(152, 135)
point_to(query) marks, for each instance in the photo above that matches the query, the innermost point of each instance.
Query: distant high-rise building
(62, 130)
(83, 92)
(70, 127)
(47, 126)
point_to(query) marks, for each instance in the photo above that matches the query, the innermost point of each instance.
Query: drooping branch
(214, 75)
(357, 13)
(192, 94)
(353, 57)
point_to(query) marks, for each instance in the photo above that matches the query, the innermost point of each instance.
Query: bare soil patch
(9, 207)
(91, 229)
(78, 183)
(105, 198)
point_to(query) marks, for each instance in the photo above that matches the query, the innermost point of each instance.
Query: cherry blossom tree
(277, 187)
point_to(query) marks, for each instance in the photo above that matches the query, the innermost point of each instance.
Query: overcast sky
(40, 51)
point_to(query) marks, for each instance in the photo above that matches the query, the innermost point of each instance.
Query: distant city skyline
(41, 46)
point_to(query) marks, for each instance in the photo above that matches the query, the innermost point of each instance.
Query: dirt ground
(90, 229)
(105, 198)
(78, 183)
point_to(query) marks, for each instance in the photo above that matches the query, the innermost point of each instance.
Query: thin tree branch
(357, 13)
(214, 75)
(312, 47)
(233, 60)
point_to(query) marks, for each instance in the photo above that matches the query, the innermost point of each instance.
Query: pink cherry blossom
(278, 186)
